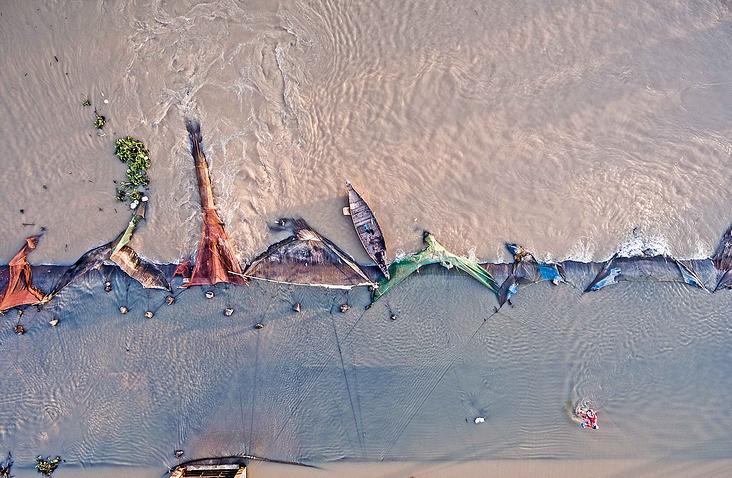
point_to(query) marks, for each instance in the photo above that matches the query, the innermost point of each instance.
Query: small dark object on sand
(170, 300)
(19, 329)
(149, 314)
(259, 326)
(296, 307)
(210, 294)
(123, 310)
(228, 312)
(393, 317)
(108, 286)
(178, 453)
(345, 308)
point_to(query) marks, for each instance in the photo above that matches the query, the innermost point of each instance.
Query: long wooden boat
(368, 229)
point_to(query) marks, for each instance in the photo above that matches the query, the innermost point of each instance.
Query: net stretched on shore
(433, 254)
(20, 289)
(215, 261)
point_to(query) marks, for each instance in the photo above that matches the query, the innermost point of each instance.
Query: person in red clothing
(589, 418)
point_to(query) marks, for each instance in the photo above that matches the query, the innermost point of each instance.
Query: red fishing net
(20, 289)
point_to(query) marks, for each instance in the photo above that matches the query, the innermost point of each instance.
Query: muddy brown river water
(570, 127)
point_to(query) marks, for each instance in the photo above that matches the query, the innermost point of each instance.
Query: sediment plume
(215, 261)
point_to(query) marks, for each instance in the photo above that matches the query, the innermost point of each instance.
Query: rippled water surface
(562, 125)
(322, 386)
(566, 126)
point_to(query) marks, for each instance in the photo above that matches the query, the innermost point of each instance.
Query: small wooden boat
(368, 229)
(222, 467)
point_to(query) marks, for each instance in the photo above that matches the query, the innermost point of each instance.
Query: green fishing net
(434, 253)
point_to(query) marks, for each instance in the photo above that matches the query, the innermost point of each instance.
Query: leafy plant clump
(137, 158)
(86, 102)
(47, 466)
(5, 468)
(100, 121)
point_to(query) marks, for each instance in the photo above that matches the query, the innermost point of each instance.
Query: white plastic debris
(479, 420)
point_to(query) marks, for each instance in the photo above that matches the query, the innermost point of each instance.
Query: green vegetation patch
(5, 468)
(137, 158)
(47, 466)
(100, 121)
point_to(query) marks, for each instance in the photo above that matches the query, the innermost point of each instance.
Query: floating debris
(170, 300)
(149, 314)
(259, 325)
(107, 286)
(123, 310)
(19, 329)
(228, 312)
(210, 294)
(54, 322)
(479, 420)
(296, 307)
(178, 453)
(345, 308)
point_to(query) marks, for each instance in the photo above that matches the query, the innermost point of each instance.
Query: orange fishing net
(183, 269)
(215, 261)
(19, 289)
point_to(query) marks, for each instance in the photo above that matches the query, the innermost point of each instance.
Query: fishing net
(307, 258)
(433, 254)
(19, 279)
(215, 261)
